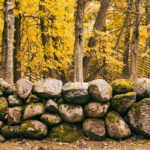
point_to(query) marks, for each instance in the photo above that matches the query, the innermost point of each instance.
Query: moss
(3, 107)
(121, 86)
(34, 98)
(113, 117)
(66, 133)
(11, 131)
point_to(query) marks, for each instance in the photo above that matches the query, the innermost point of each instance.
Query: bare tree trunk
(135, 41)
(98, 26)
(17, 45)
(130, 6)
(79, 43)
(7, 41)
(148, 34)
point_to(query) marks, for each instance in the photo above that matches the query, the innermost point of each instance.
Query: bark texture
(135, 40)
(17, 45)
(7, 41)
(79, 43)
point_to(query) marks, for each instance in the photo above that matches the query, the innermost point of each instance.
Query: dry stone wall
(68, 112)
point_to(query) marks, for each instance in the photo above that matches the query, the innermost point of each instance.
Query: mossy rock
(66, 133)
(50, 119)
(94, 129)
(33, 129)
(96, 109)
(14, 100)
(33, 99)
(142, 88)
(100, 90)
(139, 117)
(15, 115)
(11, 131)
(71, 113)
(51, 106)
(33, 109)
(121, 86)
(116, 127)
(3, 108)
(123, 102)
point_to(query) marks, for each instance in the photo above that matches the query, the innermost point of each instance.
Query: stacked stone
(47, 108)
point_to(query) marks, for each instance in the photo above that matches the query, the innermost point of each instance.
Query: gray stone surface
(51, 119)
(116, 126)
(76, 92)
(14, 100)
(142, 88)
(51, 106)
(71, 113)
(100, 90)
(24, 88)
(94, 129)
(33, 129)
(96, 109)
(47, 88)
(139, 117)
(33, 109)
(14, 115)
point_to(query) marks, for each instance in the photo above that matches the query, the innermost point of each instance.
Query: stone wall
(68, 112)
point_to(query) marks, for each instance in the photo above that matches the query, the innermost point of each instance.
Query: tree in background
(7, 41)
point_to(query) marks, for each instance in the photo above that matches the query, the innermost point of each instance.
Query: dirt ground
(47, 144)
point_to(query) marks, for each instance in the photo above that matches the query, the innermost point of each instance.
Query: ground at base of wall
(132, 143)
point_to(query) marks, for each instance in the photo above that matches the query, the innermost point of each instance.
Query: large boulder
(94, 128)
(71, 113)
(139, 117)
(14, 115)
(120, 86)
(14, 100)
(76, 92)
(33, 129)
(123, 102)
(50, 119)
(100, 90)
(24, 88)
(33, 109)
(116, 126)
(51, 106)
(3, 108)
(142, 88)
(96, 109)
(11, 131)
(47, 88)
(66, 133)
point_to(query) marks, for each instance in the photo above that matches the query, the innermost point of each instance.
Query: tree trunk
(130, 6)
(148, 34)
(7, 41)
(79, 43)
(125, 70)
(98, 26)
(135, 41)
(17, 45)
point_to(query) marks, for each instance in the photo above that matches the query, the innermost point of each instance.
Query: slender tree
(79, 42)
(7, 41)
(135, 40)
(98, 26)
(17, 44)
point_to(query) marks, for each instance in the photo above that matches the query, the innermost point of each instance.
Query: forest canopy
(116, 38)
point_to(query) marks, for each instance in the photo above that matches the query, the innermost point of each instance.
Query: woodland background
(116, 39)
